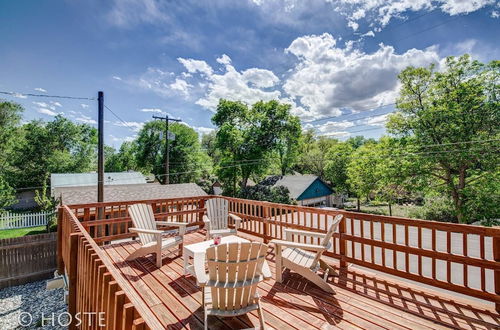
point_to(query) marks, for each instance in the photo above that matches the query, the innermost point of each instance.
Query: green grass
(11, 233)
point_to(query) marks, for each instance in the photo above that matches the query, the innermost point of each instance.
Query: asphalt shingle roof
(127, 192)
(296, 184)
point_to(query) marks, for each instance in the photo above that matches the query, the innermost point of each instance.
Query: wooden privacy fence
(461, 258)
(10, 220)
(27, 259)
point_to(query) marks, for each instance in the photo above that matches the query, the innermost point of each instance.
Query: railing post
(201, 205)
(266, 223)
(343, 242)
(60, 262)
(72, 276)
(496, 257)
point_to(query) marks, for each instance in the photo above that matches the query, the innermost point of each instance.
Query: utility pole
(100, 147)
(167, 150)
(100, 153)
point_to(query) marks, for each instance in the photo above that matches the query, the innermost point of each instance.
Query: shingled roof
(127, 192)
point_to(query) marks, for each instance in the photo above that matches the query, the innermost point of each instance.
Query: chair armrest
(304, 233)
(172, 223)
(311, 247)
(156, 233)
(181, 225)
(145, 231)
(237, 220)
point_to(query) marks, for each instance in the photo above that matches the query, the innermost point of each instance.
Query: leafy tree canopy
(444, 113)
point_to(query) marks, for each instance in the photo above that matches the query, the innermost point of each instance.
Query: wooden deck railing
(461, 258)
(98, 293)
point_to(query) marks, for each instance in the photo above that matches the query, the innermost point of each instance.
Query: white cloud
(247, 86)
(117, 78)
(52, 105)
(39, 89)
(128, 13)
(194, 66)
(133, 125)
(155, 80)
(353, 25)
(224, 59)
(332, 128)
(86, 119)
(328, 78)
(47, 112)
(20, 96)
(181, 85)
(382, 11)
(154, 110)
(85, 106)
(123, 139)
(456, 7)
(375, 121)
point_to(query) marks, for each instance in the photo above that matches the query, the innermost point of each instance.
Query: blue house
(307, 190)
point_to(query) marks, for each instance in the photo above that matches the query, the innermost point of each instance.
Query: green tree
(123, 160)
(440, 110)
(247, 137)
(313, 154)
(338, 157)
(10, 116)
(188, 163)
(287, 145)
(363, 176)
(60, 146)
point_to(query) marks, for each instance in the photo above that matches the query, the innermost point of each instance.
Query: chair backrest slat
(326, 240)
(143, 217)
(217, 212)
(235, 268)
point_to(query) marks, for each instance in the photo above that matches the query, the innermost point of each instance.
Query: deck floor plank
(362, 301)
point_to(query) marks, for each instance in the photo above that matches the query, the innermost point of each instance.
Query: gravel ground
(17, 301)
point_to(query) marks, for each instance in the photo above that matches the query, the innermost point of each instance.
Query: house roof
(297, 183)
(90, 179)
(127, 192)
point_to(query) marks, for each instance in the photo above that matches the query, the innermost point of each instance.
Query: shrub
(437, 208)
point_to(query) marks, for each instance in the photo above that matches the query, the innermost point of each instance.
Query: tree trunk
(244, 182)
(358, 205)
(390, 209)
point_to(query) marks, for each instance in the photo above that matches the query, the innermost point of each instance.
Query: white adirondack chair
(216, 219)
(303, 258)
(234, 272)
(145, 226)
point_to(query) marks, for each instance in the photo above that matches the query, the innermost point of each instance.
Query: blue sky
(335, 62)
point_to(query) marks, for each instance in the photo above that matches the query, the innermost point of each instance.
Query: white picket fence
(24, 220)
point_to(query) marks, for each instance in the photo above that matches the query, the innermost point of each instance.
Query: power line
(118, 117)
(260, 160)
(45, 95)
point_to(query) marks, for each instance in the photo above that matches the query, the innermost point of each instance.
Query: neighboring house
(217, 186)
(128, 192)
(25, 200)
(81, 188)
(307, 190)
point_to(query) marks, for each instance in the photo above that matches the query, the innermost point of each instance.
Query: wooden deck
(362, 300)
